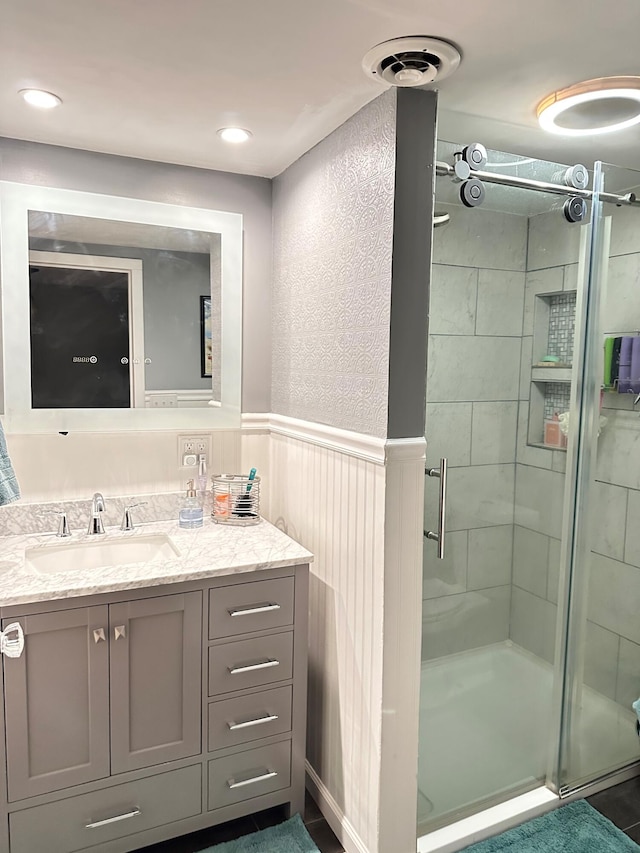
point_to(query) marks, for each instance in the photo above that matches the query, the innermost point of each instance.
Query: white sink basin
(100, 554)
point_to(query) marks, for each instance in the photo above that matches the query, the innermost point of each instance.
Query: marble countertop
(209, 551)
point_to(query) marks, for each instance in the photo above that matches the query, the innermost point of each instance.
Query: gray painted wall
(333, 237)
(410, 275)
(53, 166)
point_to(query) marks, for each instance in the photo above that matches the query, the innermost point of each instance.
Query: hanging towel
(624, 375)
(608, 361)
(635, 365)
(615, 361)
(9, 489)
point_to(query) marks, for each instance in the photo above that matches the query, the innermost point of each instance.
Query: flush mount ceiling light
(234, 134)
(603, 105)
(40, 98)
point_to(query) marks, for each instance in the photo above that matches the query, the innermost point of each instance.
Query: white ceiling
(156, 78)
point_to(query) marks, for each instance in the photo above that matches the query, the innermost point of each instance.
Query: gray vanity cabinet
(126, 673)
(136, 716)
(155, 680)
(57, 702)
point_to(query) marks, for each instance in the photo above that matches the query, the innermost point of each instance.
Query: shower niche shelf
(549, 386)
(550, 374)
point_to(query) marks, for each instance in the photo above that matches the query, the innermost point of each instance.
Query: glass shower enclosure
(531, 640)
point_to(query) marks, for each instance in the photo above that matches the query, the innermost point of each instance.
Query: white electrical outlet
(191, 447)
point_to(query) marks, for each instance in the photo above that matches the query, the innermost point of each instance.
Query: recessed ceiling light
(234, 134)
(603, 105)
(40, 98)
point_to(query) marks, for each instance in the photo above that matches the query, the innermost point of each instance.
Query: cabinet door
(57, 702)
(156, 676)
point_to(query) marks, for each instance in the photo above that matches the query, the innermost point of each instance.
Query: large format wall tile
(625, 234)
(621, 312)
(481, 238)
(601, 659)
(614, 593)
(500, 302)
(632, 539)
(448, 576)
(536, 282)
(628, 681)
(530, 560)
(452, 300)
(456, 623)
(473, 368)
(539, 499)
(493, 437)
(609, 520)
(448, 433)
(552, 241)
(490, 556)
(619, 450)
(480, 496)
(533, 623)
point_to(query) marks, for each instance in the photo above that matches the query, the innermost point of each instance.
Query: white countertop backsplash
(209, 551)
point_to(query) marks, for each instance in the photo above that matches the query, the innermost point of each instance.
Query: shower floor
(485, 719)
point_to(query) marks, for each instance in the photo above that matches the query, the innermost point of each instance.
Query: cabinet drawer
(249, 774)
(246, 607)
(250, 663)
(247, 718)
(114, 812)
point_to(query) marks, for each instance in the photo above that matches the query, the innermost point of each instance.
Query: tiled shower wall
(612, 653)
(476, 315)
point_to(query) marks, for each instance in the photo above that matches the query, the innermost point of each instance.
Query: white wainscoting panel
(404, 500)
(356, 503)
(334, 504)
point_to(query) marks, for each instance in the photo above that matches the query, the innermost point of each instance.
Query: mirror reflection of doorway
(81, 335)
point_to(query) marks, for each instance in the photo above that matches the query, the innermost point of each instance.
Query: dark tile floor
(621, 804)
(317, 827)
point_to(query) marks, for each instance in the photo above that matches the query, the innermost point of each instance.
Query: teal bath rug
(576, 828)
(287, 837)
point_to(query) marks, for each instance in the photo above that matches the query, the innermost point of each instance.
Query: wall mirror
(118, 313)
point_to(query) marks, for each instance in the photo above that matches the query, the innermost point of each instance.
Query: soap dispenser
(191, 513)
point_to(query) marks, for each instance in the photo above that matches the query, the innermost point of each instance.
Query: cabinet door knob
(120, 631)
(98, 634)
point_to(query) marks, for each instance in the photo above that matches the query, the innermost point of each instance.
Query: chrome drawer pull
(257, 722)
(268, 775)
(235, 670)
(253, 609)
(135, 811)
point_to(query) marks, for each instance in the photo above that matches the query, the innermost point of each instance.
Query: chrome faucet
(95, 522)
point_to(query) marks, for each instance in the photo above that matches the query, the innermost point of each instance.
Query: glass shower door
(499, 375)
(602, 669)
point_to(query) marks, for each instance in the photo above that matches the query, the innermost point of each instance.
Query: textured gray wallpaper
(333, 234)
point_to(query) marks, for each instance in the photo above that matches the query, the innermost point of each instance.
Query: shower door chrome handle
(439, 537)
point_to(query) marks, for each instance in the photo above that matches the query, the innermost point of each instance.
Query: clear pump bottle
(191, 513)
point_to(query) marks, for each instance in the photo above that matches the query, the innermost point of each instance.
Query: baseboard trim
(333, 814)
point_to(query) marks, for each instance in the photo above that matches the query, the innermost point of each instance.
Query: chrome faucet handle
(97, 502)
(127, 520)
(96, 525)
(63, 524)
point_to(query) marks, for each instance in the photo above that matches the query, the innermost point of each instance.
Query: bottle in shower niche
(191, 513)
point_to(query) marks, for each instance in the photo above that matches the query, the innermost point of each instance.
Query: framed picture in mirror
(206, 343)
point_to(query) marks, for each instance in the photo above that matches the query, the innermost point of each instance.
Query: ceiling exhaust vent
(411, 61)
